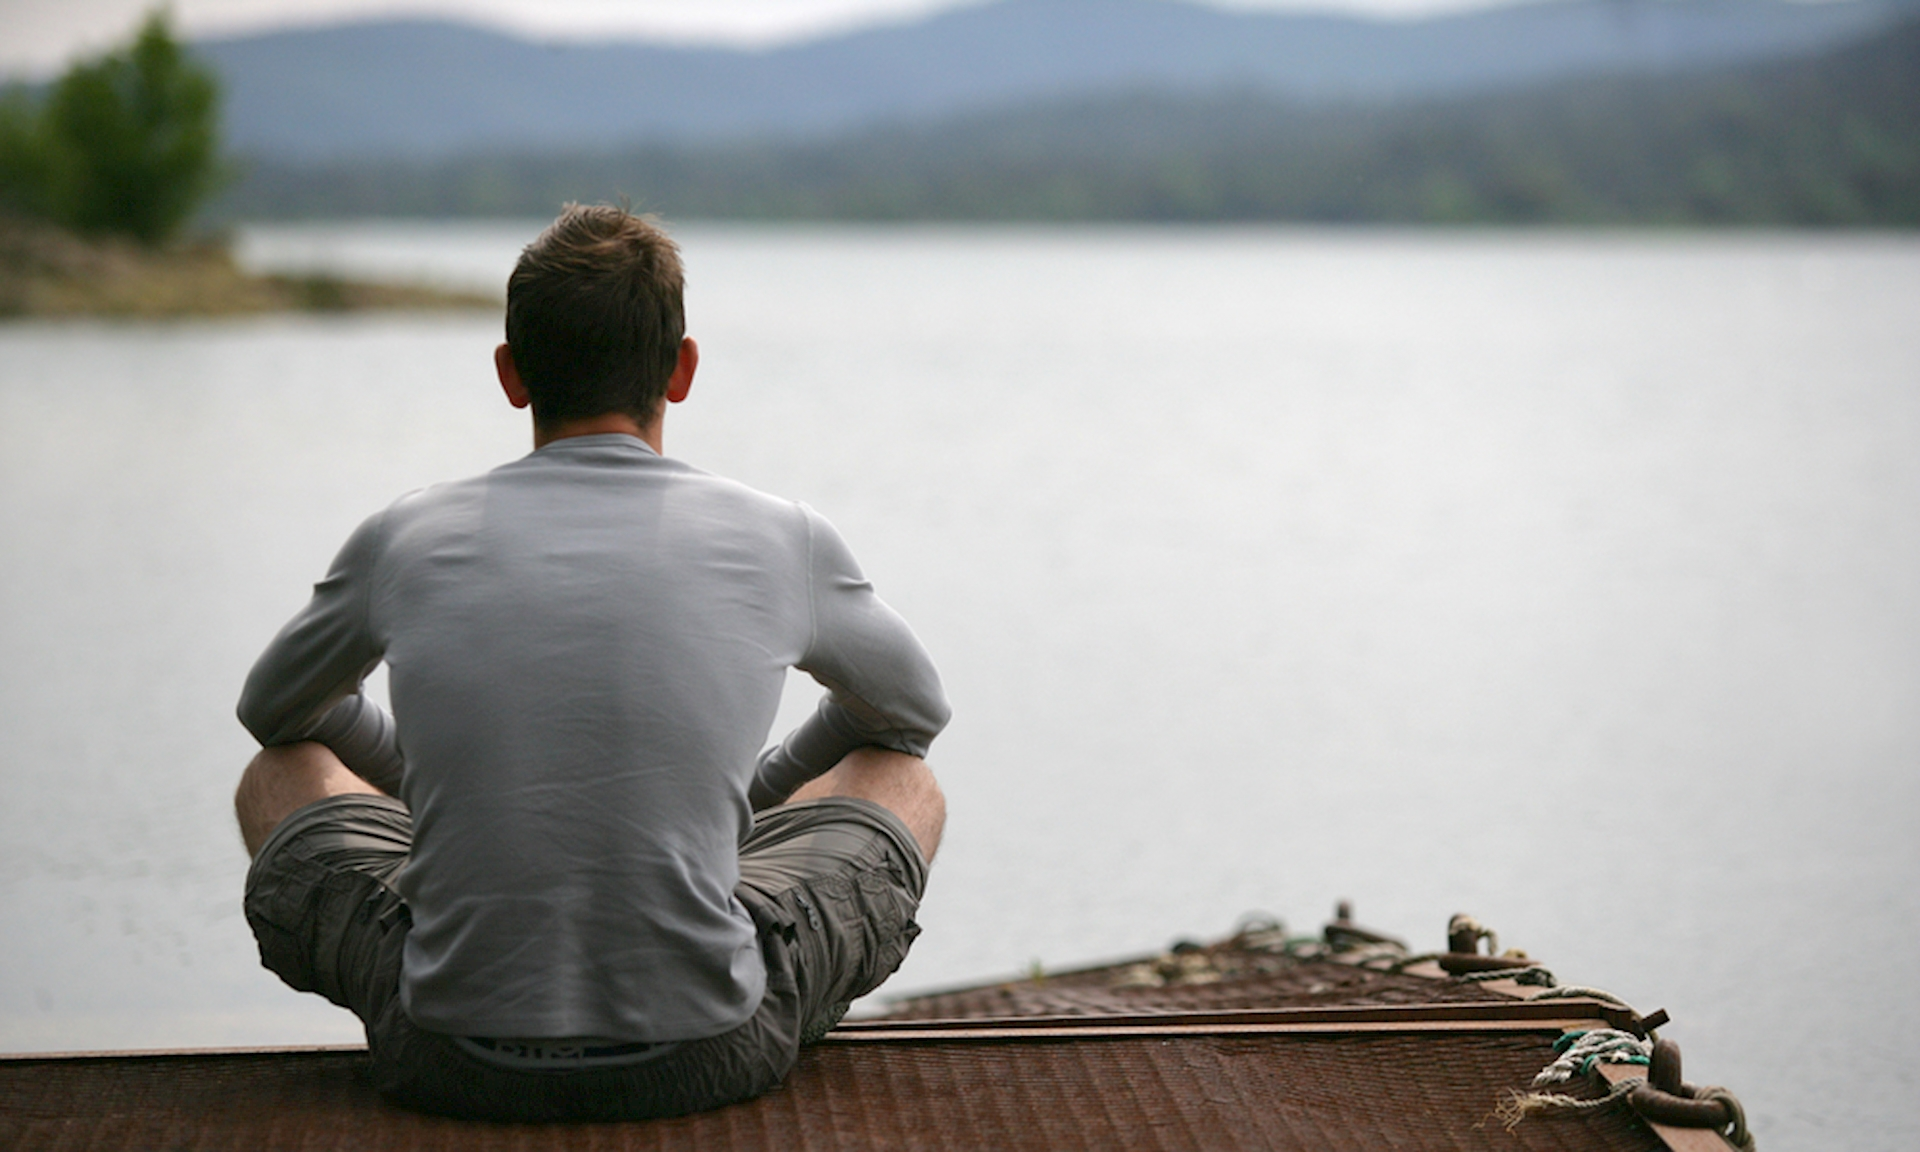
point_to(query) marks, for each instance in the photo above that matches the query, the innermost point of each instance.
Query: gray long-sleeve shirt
(585, 650)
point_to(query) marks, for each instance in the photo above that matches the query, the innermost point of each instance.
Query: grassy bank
(48, 272)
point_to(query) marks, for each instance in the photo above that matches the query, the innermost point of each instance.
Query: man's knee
(923, 806)
(283, 779)
(898, 782)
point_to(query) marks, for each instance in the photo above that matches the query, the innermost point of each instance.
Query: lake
(1569, 579)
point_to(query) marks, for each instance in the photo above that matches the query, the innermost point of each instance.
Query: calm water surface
(1571, 580)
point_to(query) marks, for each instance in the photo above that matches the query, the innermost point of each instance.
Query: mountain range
(1828, 139)
(425, 90)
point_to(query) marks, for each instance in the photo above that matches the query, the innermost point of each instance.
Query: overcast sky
(37, 36)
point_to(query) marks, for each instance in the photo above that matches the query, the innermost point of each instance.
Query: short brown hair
(595, 315)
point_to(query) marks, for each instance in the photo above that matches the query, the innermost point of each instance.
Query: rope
(1736, 1133)
(1307, 948)
(1520, 1105)
(1532, 974)
(1259, 924)
(1564, 991)
(1379, 956)
(1580, 1051)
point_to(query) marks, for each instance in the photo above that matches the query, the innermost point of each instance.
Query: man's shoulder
(425, 501)
(608, 471)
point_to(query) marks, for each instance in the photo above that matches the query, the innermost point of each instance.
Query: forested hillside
(433, 89)
(1827, 140)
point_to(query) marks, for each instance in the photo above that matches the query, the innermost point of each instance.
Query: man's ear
(681, 382)
(510, 382)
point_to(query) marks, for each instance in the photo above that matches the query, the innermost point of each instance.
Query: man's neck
(620, 422)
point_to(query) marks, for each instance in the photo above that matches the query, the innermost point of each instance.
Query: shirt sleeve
(306, 685)
(882, 688)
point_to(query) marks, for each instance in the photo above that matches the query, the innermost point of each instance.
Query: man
(557, 883)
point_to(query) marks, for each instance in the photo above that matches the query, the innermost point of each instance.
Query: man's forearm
(823, 740)
(362, 735)
(809, 750)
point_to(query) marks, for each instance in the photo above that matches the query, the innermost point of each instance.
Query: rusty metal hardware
(1412, 1017)
(1667, 1099)
(1344, 933)
(1454, 963)
(1463, 954)
(1464, 934)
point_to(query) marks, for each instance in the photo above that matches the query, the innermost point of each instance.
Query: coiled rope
(1575, 1054)
(1578, 1052)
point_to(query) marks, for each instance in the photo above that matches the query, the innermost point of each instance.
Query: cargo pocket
(888, 912)
(281, 905)
(319, 929)
(773, 923)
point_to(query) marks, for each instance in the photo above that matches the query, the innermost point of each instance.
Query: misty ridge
(1585, 111)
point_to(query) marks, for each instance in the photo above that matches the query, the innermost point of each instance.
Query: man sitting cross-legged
(558, 883)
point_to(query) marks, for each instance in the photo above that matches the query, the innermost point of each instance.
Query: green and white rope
(1578, 1052)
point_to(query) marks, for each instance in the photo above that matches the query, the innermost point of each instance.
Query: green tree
(127, 143)
(24, 155)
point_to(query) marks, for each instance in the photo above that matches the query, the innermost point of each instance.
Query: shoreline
(49, 273)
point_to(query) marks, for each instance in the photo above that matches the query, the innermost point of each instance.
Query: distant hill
(1832, 139)
(430, 89)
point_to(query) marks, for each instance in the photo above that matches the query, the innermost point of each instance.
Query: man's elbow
(939, 713)
(265, 721)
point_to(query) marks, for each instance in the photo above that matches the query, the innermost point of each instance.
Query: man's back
(557, 883)
(586, 648)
